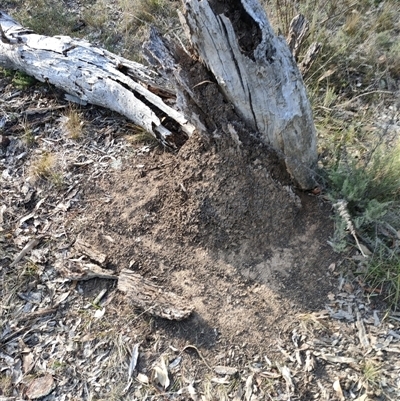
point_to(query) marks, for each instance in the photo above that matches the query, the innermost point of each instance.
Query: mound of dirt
(215, 224)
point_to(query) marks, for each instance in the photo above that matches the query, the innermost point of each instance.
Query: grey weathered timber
(251, 66)
(93, 75)
(263, 83)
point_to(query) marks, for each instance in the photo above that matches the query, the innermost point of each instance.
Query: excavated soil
(214, 224)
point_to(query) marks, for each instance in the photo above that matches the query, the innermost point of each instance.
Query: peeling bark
(151, 298)
(298, 30)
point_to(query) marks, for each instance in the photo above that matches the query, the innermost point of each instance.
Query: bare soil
(213, 224)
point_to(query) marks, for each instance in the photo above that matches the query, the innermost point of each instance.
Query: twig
(27, 248)
(36, 314)
(198, 353)
(203, 82)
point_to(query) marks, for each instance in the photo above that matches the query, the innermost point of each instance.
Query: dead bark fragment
(310, 57)
(92, 253)
(298, 30)
(76, 270)
(153, 299)
(40, 387)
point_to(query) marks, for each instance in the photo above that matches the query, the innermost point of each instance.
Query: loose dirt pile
(206, 215)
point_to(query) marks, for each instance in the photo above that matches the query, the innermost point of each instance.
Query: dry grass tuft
(45, 168)
(47, 17)
(73, 123)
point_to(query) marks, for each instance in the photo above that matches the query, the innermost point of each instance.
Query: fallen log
(93, 75)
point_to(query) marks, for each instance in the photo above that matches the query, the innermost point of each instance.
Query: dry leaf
(338, 359)
(338, 388)
(135, 356)
(142, 378)
(249, 387)
(62, 297)
(192, 392)
(161, 374)
(326, 74)
(287, 376)
(28, 363)
(99, 313)
(175, 363)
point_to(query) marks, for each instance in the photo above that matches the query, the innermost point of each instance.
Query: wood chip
(225, 370)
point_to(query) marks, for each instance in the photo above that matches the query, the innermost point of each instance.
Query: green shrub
(370, 190)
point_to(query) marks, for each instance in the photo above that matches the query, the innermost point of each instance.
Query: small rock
(40, 387)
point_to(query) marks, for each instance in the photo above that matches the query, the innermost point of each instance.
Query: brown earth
(217, 227)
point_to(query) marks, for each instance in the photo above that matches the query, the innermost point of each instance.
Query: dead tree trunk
(248, 68)
(258, 74)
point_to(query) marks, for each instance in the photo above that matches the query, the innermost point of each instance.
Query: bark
(154, 300)
(93, 75)
(298, 30)
(92, 253)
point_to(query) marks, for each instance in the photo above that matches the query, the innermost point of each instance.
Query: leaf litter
(66, 333)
